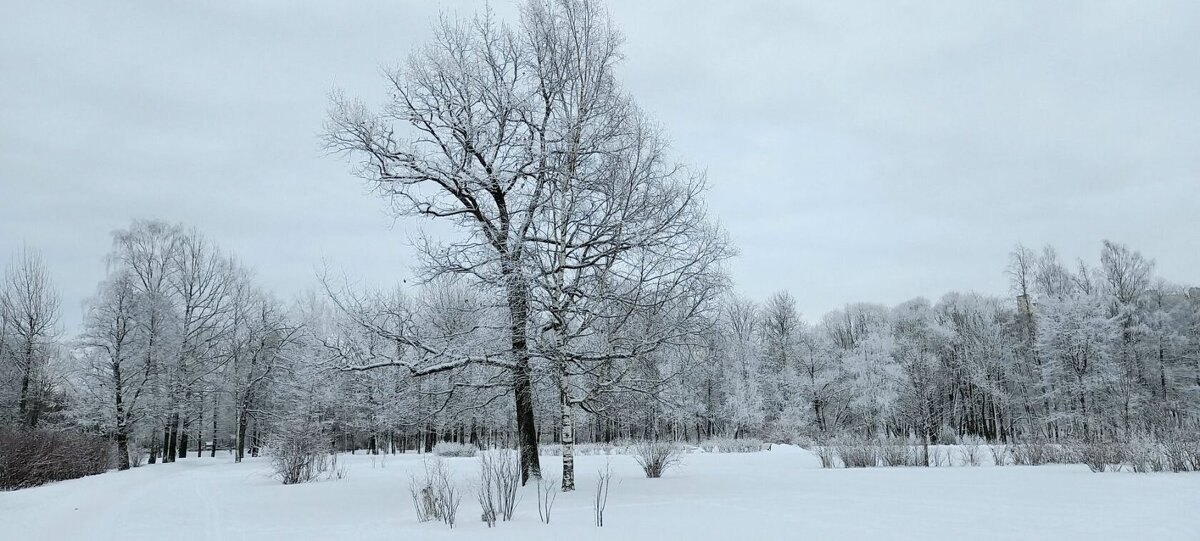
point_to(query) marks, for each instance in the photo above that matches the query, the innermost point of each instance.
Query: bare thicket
(856, 453)
(895, 452)
(970, 450)
(499, 479)
(1036, 453)
(1000, 454)
(299, 452)
(733, 445)
(828, 455)
(1099, 456)
(435, 495)
(452, 449)
(31, 457)
(656, 457)
(939, 457)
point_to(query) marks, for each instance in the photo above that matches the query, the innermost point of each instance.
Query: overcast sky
(857, 151)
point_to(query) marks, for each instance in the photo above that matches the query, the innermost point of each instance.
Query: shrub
(299, 453)
(452, 449)
(555, 449)
(1143, 454)
(546, 494)
(656, 457)
(137, 454)
(731, 445)
(1181, 454)
(35, 457)
(1098, 456)
(1039, 453)
(857, 454)
(600, 499)
(435, 495)
(1000, 453)
(828, 455)
(938, 456)
(895, 452)
(970, 449)
(499, 479)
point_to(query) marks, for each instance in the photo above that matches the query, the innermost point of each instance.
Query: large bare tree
(30, 304)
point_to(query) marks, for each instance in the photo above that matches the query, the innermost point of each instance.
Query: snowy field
(779, 494)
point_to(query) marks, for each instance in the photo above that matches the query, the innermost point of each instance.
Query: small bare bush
(1037, 453)
(857, 454)
(731, 445)
(435, 495)
(299, 453)
(1181, 454)
(656, 457)
(137, 455)
(1000, 454)
(827, 454)
(1142, 454)
(337, 470)
(451, 449)
(499, 479)
(895, 452)
(546, 494)
(938, 456)
(554, 449)
(600, 499)
(970, 450)
(487, 502)
(1099, 456)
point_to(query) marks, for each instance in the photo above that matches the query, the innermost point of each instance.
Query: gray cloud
(857, 151)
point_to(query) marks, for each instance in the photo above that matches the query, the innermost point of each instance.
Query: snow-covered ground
(780, 494)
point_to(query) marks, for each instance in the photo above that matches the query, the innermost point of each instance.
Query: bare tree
(30, 305)
(110, 345)
(145, 251)
(475, 120)
(523, 138)
(259, 333)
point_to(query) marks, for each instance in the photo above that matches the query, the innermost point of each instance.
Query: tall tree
(30, 306)
(110, 341)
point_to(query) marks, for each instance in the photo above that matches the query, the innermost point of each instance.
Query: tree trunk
(171, 438)
(122, 446)
(183, 439)
(154, 448)
(518, 306)
(568, 436)
(241, 436)
(24, 401)
(213, 453)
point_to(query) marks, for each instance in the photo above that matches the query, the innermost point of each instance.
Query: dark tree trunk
(518, 310)
(154, 448)
(241, 437)
(171, 439)
(213, 453)
(183, 441)
(24, 402)
(122, 447)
